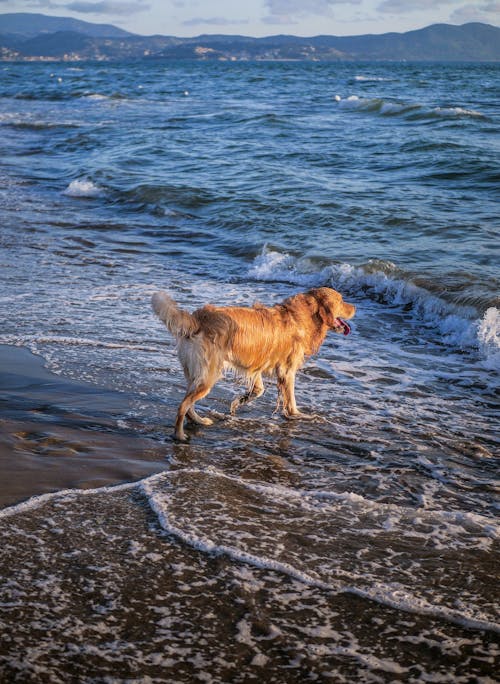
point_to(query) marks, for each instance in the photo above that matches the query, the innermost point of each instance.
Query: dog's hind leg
(255, 391)
(187, 405)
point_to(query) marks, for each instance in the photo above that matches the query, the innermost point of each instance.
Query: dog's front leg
(286, 388)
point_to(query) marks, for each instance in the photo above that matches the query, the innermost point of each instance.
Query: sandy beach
(98, 586)
(57, 433)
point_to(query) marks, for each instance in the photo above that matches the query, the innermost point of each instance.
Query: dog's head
(331, 308)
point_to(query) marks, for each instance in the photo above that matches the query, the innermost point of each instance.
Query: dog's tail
(180, 323)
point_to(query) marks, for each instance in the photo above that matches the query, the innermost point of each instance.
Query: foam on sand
(213, 531)
(93, 589)
(64, 340)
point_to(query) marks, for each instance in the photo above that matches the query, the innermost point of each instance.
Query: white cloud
(214, 21)
(109, 7)
(288, 11)
(488, 12)
(403, 6)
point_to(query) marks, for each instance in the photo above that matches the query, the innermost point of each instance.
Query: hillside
(28, 37)
(25, 24)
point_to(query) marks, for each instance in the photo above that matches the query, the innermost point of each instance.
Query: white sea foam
(82, 188)
(381, 279)
(161, 490)
(392, 594)
(74, 341)
(96, 96)
(361, 77)
(318, 499)
(489, 338)
(457, 111)
(375, 104)
(35, 502)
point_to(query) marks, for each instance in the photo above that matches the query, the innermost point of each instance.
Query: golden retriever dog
(251, 341)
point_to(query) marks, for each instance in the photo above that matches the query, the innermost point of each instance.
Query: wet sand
(98, 585)
(57, 433)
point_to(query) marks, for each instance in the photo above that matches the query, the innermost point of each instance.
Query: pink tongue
(347, 328)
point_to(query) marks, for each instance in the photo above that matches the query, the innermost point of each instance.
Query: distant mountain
(440, 42)
(31, 25)
(28, 37)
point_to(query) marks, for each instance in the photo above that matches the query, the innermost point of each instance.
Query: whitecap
(457, 112)
(363, 78)
(489, 338)
(359, 103)
(95, 96)
(82, 188)
(375, 104)
(390, 107)
(457, 326)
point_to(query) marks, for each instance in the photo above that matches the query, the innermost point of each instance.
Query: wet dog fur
(252, 341)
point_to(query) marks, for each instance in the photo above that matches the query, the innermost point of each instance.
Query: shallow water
(235, 183)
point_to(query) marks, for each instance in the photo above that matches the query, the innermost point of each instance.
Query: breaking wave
(382, 281)
(82, 188)
(412, 110)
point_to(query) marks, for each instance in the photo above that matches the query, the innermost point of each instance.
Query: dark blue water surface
(231, 182)
(214, 160)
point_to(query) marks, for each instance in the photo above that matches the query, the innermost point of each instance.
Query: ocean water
(361, 545)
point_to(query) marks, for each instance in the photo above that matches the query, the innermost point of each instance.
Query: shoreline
(167, 581)
(57, 433)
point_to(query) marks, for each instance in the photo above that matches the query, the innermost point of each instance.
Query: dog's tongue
(346, 328)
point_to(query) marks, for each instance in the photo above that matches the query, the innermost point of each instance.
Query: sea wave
(364, 78)
(82, 188)
(162, 490)
(412, 110)
(65, 341)
(383, 281)
(21, 122)
(95, 96)
(100, 96)
(489, 337)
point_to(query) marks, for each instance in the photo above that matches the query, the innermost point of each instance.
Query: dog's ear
(326, 315)
(326, 306)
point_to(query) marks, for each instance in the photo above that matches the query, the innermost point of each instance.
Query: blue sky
(265, 17)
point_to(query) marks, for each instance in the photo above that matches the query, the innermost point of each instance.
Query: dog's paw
(180, 437)
(301, 416)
